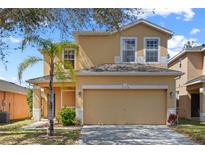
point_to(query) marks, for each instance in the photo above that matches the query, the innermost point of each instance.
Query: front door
(195, 105)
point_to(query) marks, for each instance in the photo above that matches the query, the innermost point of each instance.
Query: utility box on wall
(4, 117)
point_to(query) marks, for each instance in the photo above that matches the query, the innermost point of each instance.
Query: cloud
(185, 14)
(14, 40)
(176, 44)
(2, 78)
(194, 31)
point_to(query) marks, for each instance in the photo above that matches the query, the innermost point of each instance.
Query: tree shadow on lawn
(61, 137)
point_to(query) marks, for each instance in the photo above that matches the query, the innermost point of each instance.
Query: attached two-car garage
(125, 94)
(123, 106)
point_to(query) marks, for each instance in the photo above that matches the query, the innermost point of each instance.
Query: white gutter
(195, 82)
(129, 73)
(182, 53)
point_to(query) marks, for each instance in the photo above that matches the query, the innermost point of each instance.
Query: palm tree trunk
(50, 130)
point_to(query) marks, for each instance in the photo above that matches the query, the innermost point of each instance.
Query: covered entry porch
(64, 96)
(196, 92)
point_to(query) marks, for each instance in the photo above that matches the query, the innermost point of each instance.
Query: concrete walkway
(43, 125)
(131, 134)
(35, 125)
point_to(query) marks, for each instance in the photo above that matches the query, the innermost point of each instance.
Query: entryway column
(36, 103)
(202, 104)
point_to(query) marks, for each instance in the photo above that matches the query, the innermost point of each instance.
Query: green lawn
(194, 129)
(12, 134)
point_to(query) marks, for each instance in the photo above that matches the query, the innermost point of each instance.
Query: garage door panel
(124, 107)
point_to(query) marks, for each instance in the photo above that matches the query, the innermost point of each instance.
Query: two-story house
(122, 77)
(190, 86)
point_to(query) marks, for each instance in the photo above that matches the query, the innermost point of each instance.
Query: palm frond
(30, 61)
(36, 41)
(59, 47)
(63, 68)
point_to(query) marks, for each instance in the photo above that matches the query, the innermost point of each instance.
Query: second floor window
(152, 49)
(128, 46)
(69, 57)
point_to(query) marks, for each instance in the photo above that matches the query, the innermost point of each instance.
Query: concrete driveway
(131, 134)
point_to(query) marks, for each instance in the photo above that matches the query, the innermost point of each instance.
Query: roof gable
(200, 48)
(150, 24)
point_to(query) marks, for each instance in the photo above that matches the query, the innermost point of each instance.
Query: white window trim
(121, 48)
(61, 95)
(158, 62)
(74, 57)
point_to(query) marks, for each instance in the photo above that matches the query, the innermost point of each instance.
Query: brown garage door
(124, 107)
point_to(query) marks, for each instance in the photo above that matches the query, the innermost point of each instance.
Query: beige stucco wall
(195, 64)
(184, 97)
(94, 50)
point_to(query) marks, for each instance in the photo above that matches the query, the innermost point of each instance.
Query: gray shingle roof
(196, 80)
(12, 87)
(196, 48)
(46, 79)
(126, 68)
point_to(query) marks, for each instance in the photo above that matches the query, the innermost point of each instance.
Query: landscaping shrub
(29, 99)
(67, 116)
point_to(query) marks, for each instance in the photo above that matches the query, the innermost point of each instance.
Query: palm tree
(52, 50)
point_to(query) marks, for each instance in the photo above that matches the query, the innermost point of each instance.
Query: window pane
(69, 57)
(151, 55)
(129, 44)
(152, 43)
(151, 47)
(128, 50)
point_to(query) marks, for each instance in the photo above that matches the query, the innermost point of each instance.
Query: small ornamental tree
(52, 50)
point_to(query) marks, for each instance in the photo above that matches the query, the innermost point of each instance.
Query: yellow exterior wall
(138, 80)
(94, 50)
(15, 104)
(68, 98)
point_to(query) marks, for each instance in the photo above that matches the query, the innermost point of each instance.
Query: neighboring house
(190, 87)
(122, 77)
(13, 100)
